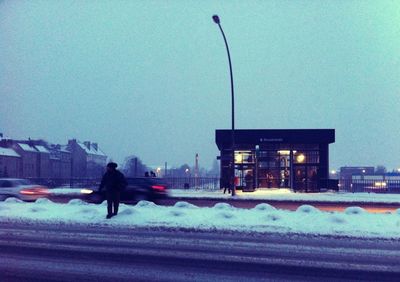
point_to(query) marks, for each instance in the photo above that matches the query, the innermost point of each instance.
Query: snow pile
(289, 195)
(262, 218)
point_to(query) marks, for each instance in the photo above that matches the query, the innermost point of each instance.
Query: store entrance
(245, 170)
(274, 169)
(305, 178)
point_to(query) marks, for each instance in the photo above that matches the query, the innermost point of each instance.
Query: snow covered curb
(306, 219)
(287, 195)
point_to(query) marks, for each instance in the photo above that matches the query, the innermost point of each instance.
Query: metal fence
(370, 185)
(200, 183)
(213, 184)
(67, 182)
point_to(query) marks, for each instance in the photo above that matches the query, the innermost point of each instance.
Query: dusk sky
(151, 78)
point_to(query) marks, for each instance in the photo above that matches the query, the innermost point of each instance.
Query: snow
(8, 152)
(92, 150)
(354, 221)
(42, 149)
(289, 195)
(27, 148)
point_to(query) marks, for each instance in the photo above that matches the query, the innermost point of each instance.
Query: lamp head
(216, 19)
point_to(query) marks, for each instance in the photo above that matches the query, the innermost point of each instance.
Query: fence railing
(370, 185)
(213, 183)
(67, 182)
(202, 183)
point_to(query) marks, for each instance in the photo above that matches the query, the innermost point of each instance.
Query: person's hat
(112, 165)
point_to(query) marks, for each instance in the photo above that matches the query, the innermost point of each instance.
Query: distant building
(60, 162)
(368, 179)
(39, 159)
(347, 172)
(43, 159)
(87, 159)
(9, 163)
(29, 160)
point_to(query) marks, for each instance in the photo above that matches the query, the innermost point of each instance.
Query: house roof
(8, 152)
(27, 148)
(223, 137)
(92, 150)
(64, 149)
(42, 149)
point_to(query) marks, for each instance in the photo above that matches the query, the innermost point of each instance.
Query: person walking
(226, 184)
(114, 182)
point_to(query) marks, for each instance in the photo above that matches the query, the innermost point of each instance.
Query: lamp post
(217, 21)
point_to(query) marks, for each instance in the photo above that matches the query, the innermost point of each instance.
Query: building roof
(27, 148)
(263, 136)
(64, 149)
(8, 152)
(42, 149)
(92, 150)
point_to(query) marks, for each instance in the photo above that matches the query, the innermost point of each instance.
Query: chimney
(87, 144)
(94, 145)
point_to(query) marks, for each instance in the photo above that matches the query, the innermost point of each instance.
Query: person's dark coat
(113, 181)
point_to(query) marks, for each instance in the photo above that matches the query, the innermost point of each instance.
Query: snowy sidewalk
(288, 195)
(354, 221)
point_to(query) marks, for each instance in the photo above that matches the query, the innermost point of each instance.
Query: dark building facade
(36, 159)
(277, 158)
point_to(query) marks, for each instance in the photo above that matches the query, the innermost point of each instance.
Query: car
(22, 189)
(137, 189)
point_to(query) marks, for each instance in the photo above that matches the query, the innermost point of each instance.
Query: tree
(215, 169)
(134, 167)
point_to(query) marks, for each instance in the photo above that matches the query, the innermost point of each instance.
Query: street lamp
(217, 21)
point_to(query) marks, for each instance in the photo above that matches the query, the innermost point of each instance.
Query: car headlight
(86, 191)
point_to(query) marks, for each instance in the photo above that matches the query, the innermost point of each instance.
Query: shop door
(305, 178)
(300, 178)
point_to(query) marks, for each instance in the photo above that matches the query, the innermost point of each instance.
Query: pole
(217, 21)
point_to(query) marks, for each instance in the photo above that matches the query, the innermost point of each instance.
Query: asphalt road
(91, 253)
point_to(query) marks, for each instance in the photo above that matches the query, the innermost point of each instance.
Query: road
(92, 253)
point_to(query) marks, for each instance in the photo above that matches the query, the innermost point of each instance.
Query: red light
(158, 187)
(34, 191)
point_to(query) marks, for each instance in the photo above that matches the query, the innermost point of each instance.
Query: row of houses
(40, 159)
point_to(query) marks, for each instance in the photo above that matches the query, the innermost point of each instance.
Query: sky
(151, 78)
(353, 221)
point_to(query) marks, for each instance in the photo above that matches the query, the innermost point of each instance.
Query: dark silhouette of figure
(152, 174)
(227, 185)
(249, 181)
(114, 182)
(270, 178)
(146, 174)
(286, 178)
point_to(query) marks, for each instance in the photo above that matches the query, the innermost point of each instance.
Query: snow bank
(262, 218)
(288, 195)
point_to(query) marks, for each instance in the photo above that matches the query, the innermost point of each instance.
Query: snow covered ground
(354, 221)
(288, 195)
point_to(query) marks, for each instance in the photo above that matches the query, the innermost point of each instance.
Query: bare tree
(134, 167)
